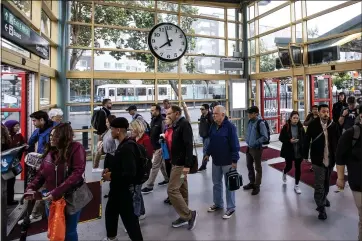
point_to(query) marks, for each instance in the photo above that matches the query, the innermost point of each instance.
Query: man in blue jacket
(224, 148)
(256, 135)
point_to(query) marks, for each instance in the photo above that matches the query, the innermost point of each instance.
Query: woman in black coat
(292, 136)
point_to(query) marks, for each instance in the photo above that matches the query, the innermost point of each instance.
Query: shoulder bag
(78, 197)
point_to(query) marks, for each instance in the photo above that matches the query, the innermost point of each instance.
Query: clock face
(167, 42)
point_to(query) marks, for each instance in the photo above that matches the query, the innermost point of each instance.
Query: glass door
(14, 101)
(321, 90)
(270, 103)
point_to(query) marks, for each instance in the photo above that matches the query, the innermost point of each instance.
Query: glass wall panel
(231, 14)
(200, 65)
(299, 33)
(167, 6)
(274, 20)
(9, 45)
(203, 11)
(79, 60)
(167, 67)
(44, 91)
(84, 138)
(123, 90)
(336, 22)
(298, 10)
(124, 61)
(24, 6)
(317, 6)
(207, 46)
(121, 39)
(167, 18)
(252, 65)
(268, 62)
(118, 16)
(232, 27)
(301, 88)
(167, 89)
(274, 40)
(232, 47)
(135, 3)
(80, 11)
(45, 24)
(79, 91)
(202, 26)
(252, 90)
(251, 12)
(251, 28)
(144, 109)
(203, 89)
(321, 89)
(251, 47)
(80, 35)
(265, 6)
(79, 116)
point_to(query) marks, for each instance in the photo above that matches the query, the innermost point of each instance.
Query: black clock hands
(167, 43)
(168, 40)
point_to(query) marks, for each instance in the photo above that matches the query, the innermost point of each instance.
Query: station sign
(16, 31)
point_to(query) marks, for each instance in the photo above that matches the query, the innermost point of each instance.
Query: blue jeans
(205, 143)
(218, 172)
(71, 223)
(138, 204)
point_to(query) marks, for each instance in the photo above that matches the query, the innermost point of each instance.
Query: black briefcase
(234, 180)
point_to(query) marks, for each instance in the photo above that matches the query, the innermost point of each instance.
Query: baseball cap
(253, 109)
(132, 107)
(120, 122)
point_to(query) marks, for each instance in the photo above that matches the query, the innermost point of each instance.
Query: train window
(111, 92)
(121, 92)
(151, 91)
(130, 92)
(101, 92)
(211, 90)
(140, 91)
(183, 91)
(202, 90)
(162, 91)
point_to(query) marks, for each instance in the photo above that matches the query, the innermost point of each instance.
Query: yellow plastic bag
(56, 220)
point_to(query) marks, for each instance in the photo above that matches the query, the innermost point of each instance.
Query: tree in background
(342, 80)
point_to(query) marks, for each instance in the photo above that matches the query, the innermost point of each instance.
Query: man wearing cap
(255, 139)
(349, 114)
(121, 177)
(205, 123)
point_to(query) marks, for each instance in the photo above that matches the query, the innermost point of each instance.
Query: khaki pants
(178, 193)
(358, 200)
(157, 163)
(253, 157)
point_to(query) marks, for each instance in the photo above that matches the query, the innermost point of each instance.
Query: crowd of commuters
(326, 141)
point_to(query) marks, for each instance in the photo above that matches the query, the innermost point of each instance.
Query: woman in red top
(138, 133)
(17, 139)
(168, 138)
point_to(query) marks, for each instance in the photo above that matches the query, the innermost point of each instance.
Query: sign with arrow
(16, 31)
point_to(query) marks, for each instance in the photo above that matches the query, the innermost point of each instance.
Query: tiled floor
(277, 213)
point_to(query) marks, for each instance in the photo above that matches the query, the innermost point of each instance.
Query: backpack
(267, 129)
(148, 128)
(356, 134)
(143, 164)
(96, 121)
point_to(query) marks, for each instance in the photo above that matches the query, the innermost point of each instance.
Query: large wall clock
(167, 42)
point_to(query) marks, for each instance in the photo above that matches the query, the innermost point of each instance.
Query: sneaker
(179, 223)
(284, 177)
(214, 208)
(97, 170)
(297, 189)
(228, 214)
(322, 215)
(108, 239)
(192, 221)
(202, 169)
(328, 203)
(255, 191)
(163, 183)
(167, 201)
(249, 186)
(146, 190)
(142, 217)
(32, 219)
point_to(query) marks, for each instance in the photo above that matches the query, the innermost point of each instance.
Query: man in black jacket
(349, 152)
(339, 106)
(120, 200)
(181, 153)
(323, 134)
(157, 127)
(206, 121)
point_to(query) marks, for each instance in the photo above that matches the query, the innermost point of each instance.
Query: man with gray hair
(224, 148)
(56, 115)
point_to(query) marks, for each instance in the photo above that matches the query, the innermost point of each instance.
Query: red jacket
(168, 138)
(146, 142)
(48, 170)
